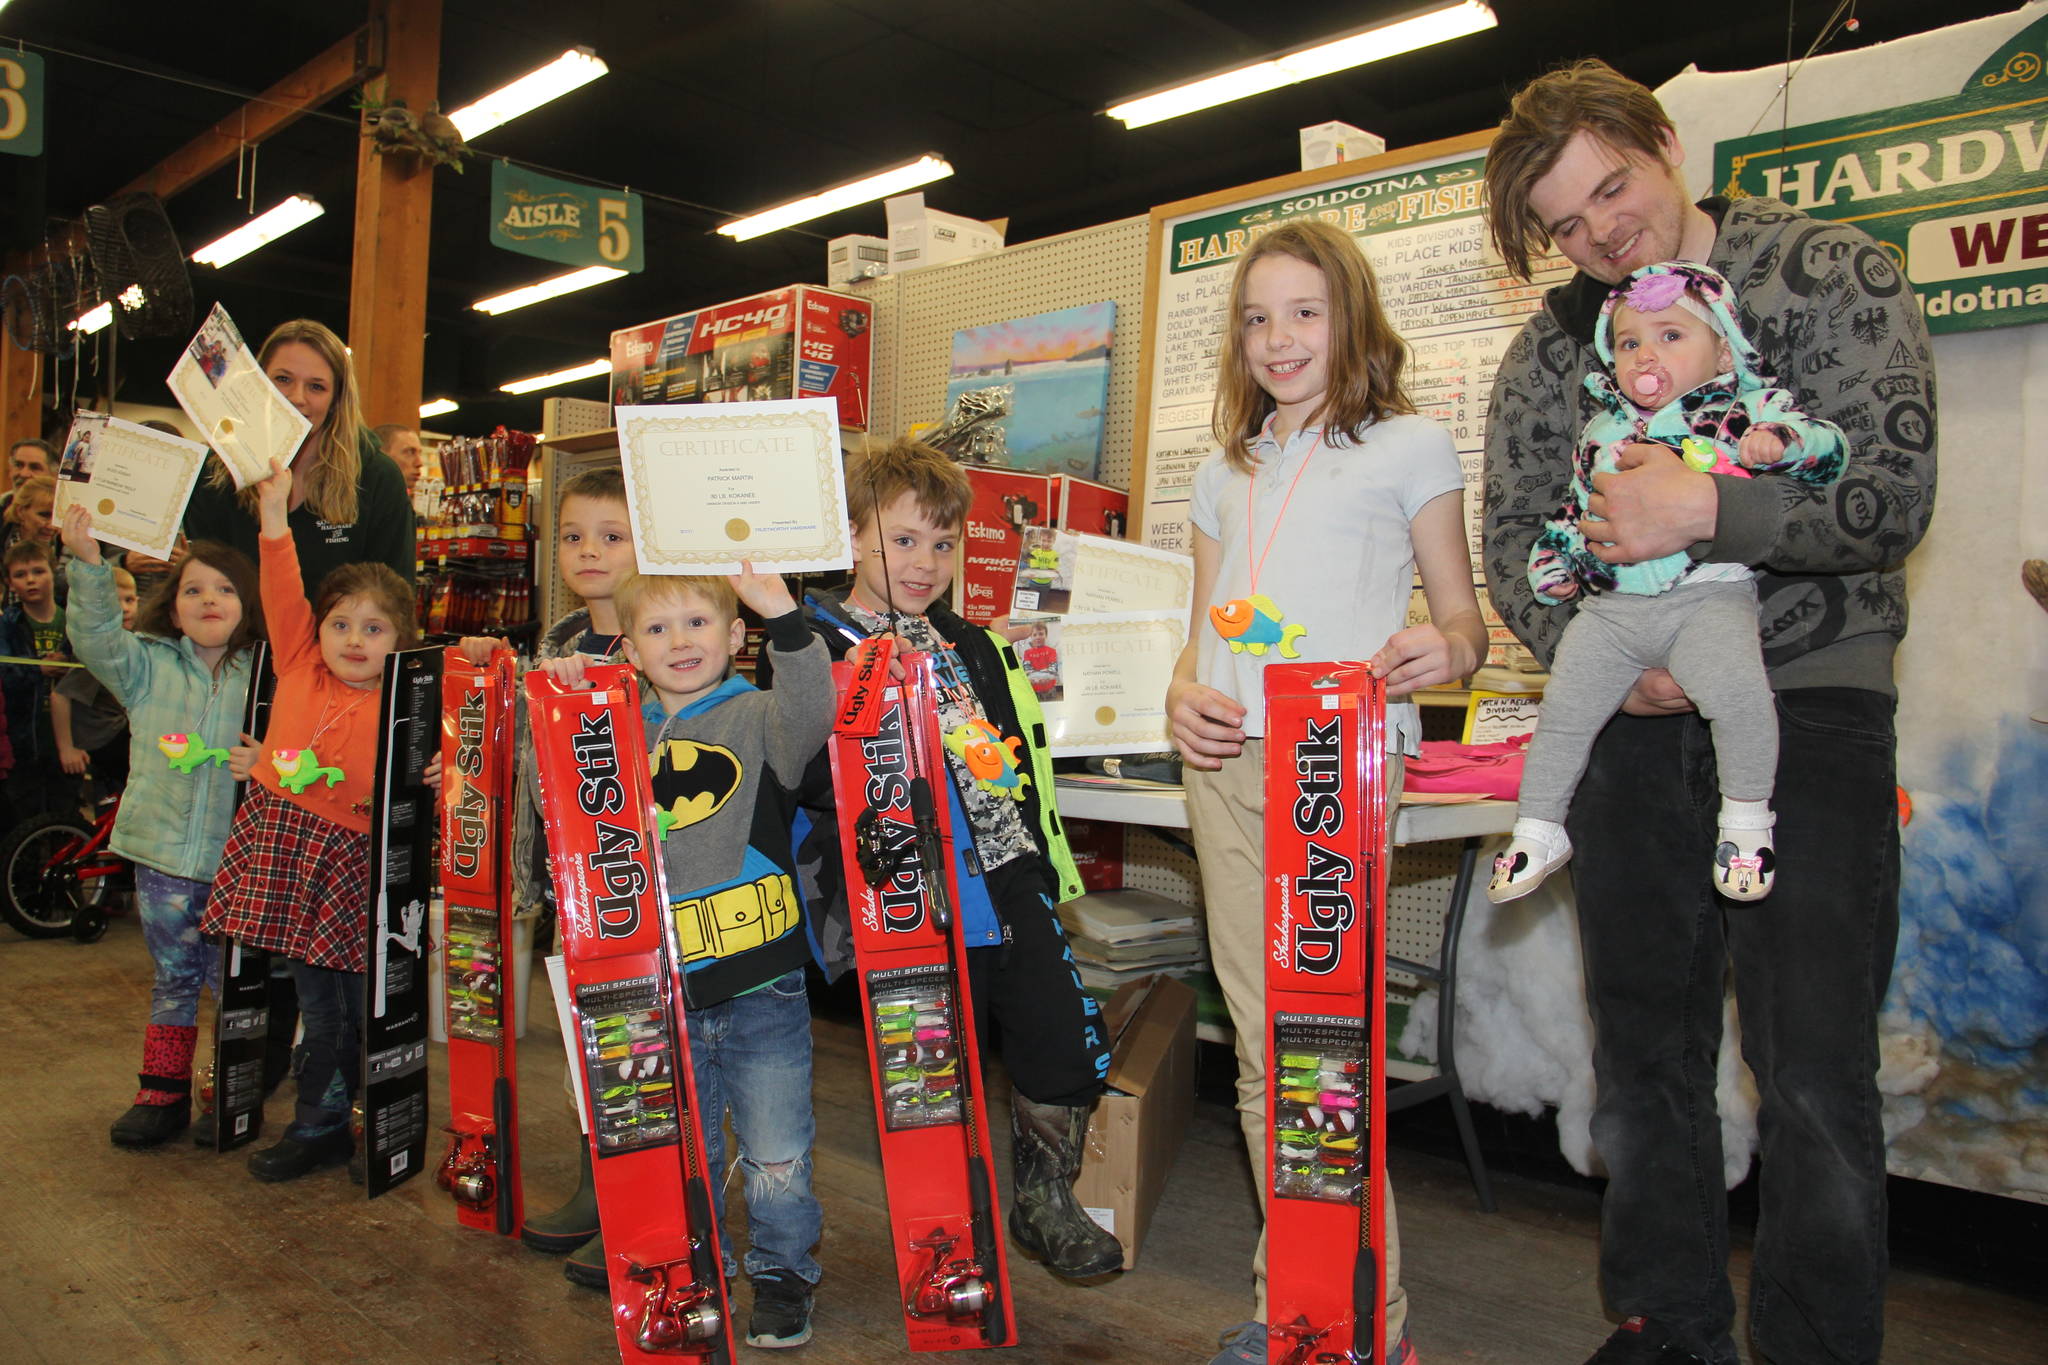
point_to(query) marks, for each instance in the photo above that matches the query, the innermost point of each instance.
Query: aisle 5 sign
(1953, 189)
(560, 220)
(21, 104)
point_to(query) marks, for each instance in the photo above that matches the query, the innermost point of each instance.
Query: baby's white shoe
(1745, 865)
(1536, 849)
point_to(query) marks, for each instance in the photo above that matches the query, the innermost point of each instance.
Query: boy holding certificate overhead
(906, 505)
(724, 761)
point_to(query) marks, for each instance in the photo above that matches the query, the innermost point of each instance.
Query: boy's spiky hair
(643, 592)
(877, 477)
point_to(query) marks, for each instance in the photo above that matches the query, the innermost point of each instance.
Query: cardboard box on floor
(1137, 1128)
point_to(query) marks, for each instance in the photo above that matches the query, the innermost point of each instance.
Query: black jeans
(329, 1061)
(1028, 1000)
(1810, 966)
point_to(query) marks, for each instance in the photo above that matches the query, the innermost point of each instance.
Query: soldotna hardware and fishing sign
(1953, 189)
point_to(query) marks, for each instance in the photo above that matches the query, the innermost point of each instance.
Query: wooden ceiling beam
(357, 57)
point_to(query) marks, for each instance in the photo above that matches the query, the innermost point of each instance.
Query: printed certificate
(238, 411)
(1107, 676)
(1060, 572)
(135, 480)
(711, 486)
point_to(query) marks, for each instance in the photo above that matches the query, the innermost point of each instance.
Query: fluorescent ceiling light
(440, 407)
(294, 212)
(588, 370)
(927, 168)
(577, 67)
(547, 289)
(1437, 24)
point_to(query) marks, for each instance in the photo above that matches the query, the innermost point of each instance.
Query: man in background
(25, 460)
(402, 444)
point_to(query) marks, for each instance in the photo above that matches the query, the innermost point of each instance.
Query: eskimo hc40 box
(796, 342)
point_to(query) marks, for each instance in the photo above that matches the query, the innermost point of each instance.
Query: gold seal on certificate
(135, 480)
(712, 485)
(1102, 679)
(228, 397)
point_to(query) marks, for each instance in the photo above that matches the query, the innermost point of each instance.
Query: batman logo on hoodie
(691, 781)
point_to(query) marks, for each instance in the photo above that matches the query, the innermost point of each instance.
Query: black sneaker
(782, 1310)
(1639, 1341)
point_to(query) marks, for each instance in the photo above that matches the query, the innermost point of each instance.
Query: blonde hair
(876, 478)
(330, 475)
(41, 486)
(1587, 96)
(1366, 355)
(644, 592)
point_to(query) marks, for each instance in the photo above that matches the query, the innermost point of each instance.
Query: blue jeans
(329, 1058)
(1810, 967)
(752, 1055)
(170, 908)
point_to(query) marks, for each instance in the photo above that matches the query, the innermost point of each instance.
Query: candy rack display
(475, 552)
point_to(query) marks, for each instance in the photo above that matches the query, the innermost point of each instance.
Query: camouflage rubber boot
(1044, 1216)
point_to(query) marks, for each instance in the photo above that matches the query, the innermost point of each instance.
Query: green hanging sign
(21, 104)
(1954, 189)
(561, 220)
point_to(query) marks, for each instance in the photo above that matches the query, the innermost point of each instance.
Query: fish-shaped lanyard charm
(991, 758)
(1254, 625)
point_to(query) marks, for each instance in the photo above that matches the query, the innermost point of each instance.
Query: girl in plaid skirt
(295, 877)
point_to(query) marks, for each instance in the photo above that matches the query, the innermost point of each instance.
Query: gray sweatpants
(1706, 634)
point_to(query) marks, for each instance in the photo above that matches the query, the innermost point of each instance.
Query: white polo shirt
(1342, 560)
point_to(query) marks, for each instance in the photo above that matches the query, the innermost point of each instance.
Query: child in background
(1309, 400)
(86, 719)
(906, 505)
(31, 520)
(295, 877)
(1684, 376)
(749, 1015)
(182, 673)
(31, 628)
(594, 552)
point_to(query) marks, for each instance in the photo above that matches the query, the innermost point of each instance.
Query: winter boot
(585, 1265)
(281, 1032)
(1044, 1218)
(575, 1222)
(163, 1106)
(292, 1157)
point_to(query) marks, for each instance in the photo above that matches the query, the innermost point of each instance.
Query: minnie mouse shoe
(1537, 849)
(1745, 865)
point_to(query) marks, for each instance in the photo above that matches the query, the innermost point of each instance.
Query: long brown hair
(1545, 116)
(330, 475)
(158, 614)
(1366, 355)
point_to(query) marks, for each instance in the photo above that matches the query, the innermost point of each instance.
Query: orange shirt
(326, 729)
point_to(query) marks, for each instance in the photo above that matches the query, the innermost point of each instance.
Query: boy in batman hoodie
(725, 759)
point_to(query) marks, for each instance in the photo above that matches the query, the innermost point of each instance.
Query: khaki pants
(1227, 814)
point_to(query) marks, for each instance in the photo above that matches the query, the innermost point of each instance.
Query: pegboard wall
(916, 314)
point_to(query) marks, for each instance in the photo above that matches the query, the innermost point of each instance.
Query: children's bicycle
(57, 875)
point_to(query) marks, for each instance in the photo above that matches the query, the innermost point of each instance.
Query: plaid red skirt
(292, 882)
